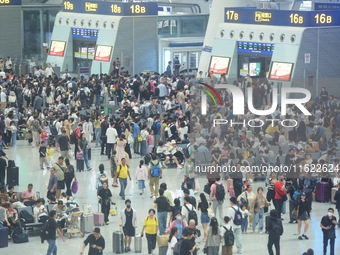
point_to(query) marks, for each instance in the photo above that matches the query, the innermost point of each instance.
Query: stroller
(72, 226)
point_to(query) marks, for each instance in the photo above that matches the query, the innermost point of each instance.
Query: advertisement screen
(254, 69)
(57, 48)
(103, 53)
(280, 71)
(219, 65)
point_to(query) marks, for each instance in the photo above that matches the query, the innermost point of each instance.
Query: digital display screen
(57, 48)
(283, 17)
(258, 48)
(281, 71)
(83, 33)
(254, 69)
(219, 65)
(103, 53)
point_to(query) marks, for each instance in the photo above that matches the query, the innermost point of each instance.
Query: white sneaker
(261, 232)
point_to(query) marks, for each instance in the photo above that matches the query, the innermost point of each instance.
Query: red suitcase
(322, 192)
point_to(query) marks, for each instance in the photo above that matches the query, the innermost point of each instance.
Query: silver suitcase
(87, 223)
(138, 244)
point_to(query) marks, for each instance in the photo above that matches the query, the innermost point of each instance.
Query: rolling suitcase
(138, 244)
(13, 176)
(322, 192)
(118, 242)
(3, 237)
(266, 221)
(11, 163)
(334, 190)
(98, 218)
(80, 165)
(87, 223)
(162, 250)
(89, 153)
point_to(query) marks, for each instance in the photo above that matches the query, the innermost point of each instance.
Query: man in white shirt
(186, 208)
(111, 135)
(58, 127)
(3, 95)
(167, 104)
(49, 71)
(232, 213)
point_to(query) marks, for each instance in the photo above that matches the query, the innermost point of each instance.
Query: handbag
(113, 211)
(80, 155)
(210, 212)
(74, 187)
(284, 198)
(140, 138)
(162, 240)
(295, 213)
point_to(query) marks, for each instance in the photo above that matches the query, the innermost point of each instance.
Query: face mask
(128, 206)
(330, 214)
(178, 217)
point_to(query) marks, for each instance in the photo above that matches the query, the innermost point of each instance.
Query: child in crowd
(150, 141)
(50, 155)
(42, 155)
(245, 214)
(14, 133)
(2, 143)
(141, 176)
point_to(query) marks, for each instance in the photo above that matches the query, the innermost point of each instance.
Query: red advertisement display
(281, 71)
(103, 53)
(219, 65)
(57, 48)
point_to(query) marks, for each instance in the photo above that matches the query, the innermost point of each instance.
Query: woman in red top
(280, 194)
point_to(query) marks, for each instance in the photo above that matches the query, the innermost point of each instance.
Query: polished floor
(253, 244)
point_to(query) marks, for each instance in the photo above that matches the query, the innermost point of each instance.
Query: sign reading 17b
(232, 15)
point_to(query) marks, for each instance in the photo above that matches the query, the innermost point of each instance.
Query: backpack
(53, 129)
(192, 215)
(296, 195)
(103, 178)
(177, 248)
(28, 218)
(82, 95)
(277, 229)
(220, 192)
(186, 151)
(154, 127)
(228, 237)
(155, 171)
(73, 138)
(44, 232)
(237, 217)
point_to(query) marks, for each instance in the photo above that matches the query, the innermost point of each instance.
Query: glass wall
(38, 25)
(182, 26)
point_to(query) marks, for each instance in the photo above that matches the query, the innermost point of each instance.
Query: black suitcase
(19, 236)
(118, 242)
(80, 165)
(3, 237)
(13, 176)
(266, 221)
(89, 153)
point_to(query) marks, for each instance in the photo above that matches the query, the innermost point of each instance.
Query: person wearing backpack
(227, 237)
(275, 230)
(213, 241)
(235, 215)
(217, 195)
(50, 233)
(188, 211)
(155, 172)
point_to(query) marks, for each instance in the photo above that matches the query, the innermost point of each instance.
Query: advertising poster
(57, 48)
(281, 71)
(219, 65)
(103, 53)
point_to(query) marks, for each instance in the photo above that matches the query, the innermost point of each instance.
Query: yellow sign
(91, 7)
(263, 16)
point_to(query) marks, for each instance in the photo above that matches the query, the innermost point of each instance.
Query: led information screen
(83, 33)
(280, 71)
(326, 6)
(258, 48)
(111, 8)
(219, 65)
(103, 53)
(57, 48)
(282, 17)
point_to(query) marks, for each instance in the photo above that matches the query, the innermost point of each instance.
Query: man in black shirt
(64, 145)
(162, 211)
(187, 246)
(327, 225)
(96, 241)
(52, 229)
(128, 220)
(104, 126)
(3, 165)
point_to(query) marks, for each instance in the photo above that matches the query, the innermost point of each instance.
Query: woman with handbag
(203, 206)
(105, 199)
(69, 176)
(303, 215)
(260, 203)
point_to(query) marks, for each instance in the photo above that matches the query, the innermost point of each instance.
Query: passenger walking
(105, 199)
(122, 174)
(150, 226)
(275, 230)
(141, 176)
(96, 243)
(52, 229)
(214, 238)
(327, 225)
(303, 216)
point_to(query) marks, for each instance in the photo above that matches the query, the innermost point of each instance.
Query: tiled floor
(254, 244)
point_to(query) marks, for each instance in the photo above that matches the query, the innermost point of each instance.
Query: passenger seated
(11, 218)
(61, 209)
(28, 196)
(164, 150)
(40, 211)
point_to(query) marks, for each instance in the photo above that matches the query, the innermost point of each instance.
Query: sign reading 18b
(137, 9)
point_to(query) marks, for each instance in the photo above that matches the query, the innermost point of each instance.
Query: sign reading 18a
(116, 9)
(323, 19)
(137, 9)
(232, 15)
